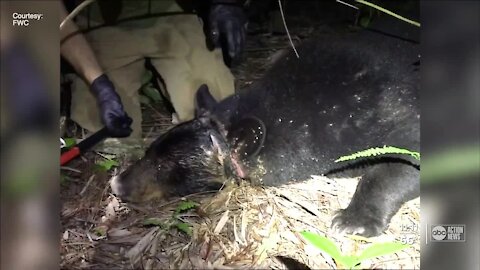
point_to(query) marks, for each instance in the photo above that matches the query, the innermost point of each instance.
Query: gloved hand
(112, 114)
(227, 21)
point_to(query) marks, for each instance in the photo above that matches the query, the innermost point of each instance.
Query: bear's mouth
(234, 168)
(238, 168)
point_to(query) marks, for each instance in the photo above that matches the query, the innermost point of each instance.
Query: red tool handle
(83, 146)
(69, 155)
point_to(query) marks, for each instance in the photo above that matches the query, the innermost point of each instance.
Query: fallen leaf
(119, 232)
(221, 223)
(65, 235)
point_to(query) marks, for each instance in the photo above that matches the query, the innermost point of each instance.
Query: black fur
(345, 94)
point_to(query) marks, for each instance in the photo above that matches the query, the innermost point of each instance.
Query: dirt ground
(239, 227)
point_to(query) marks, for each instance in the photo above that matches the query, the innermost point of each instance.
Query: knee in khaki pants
(185, 63)
(182, 59)
(182, 81)
(184, 74)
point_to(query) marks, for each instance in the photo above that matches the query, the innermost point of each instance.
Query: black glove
(227, 26)
(113, 116)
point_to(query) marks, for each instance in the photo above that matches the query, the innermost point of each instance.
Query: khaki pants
(176, 44)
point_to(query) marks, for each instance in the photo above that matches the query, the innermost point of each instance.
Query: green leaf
(351, 262)
(185, 205)
(151, 92)
(64, 179)
(380, 249)
(146, 77)
(184, 227)
(325, 245)
(107, 164)
(154, 222)
(100, 231)
(69, 142)
(144, 99)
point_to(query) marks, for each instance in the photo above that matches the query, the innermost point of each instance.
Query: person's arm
(76, 50)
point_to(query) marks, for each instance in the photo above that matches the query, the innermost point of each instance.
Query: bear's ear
(247, 137)
(204, 101)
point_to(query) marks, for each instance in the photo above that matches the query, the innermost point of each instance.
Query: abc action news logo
(447, 233)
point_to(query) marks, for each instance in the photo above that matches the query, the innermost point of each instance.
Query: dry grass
(238, 227)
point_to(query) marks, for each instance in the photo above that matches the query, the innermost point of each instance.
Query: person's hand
(227, 26)
(112, 114)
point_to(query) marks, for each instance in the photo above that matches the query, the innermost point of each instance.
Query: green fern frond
(185, 205)
(379, 151)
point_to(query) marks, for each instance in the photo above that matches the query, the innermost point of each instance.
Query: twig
(347, 4)
(149, 133)
(104, 156)
(156, 111)
(139, 208)
(266, 49)
(70, 169)
(388, 12)
(306, 206)
(286, 28)
(75, 12)
(186, 196)
(88, 184)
